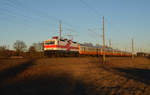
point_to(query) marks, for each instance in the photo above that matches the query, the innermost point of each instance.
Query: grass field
(75, 76)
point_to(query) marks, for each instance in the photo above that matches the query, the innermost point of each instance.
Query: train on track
(66, 47)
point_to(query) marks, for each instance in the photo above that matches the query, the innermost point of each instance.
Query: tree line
(21, 50)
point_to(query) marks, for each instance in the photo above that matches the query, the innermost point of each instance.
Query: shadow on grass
(142, 75)
(62, 84)
(13, 71)
(65, 84)
(56, 84)
(46, 85)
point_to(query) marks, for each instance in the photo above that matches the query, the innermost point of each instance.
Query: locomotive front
(57, 46)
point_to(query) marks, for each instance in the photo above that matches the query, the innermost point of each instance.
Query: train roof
(106, 48)
(87, 45)
(57, 38)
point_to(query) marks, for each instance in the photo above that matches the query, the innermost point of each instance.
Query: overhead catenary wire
(5, 9)
(89, 7)
(22, 11)
(97, 13)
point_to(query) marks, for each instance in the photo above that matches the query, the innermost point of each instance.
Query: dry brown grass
(75, 76)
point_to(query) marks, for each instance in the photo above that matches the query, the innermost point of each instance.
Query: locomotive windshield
(50, 43)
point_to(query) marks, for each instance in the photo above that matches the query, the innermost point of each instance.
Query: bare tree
(36, 50)
(2, 51)
(2, 48)
(88, 44)
(32, 49)
(19, 46)
(97, 45)
(38, 46)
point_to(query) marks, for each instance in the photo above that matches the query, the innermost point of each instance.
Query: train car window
(50, 43)
(65, 39)
(62, 40)
(107, 51)
(88, 49)
(84, 49)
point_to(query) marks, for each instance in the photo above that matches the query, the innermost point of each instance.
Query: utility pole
(125, 49)
(59, 29)
(141, 50)
(132, 49)
(110, 43)
(103, 43)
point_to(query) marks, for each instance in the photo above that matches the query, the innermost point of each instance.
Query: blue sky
(37, 20)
